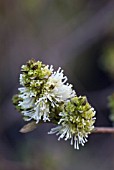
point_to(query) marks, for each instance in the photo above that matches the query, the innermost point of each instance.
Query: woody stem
(103, 130)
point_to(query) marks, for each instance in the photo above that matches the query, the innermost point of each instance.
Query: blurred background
(77, 35)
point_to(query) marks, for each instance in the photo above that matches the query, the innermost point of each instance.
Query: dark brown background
(71, 34)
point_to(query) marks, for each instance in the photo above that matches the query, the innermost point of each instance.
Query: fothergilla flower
(76, 121)
(42, 89)
(45, 96)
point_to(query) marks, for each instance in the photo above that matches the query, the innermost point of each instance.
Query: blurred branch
(103, 130)
(85, 35)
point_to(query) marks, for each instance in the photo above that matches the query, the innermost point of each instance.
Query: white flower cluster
(46, 96)
(69, 131)
(54, 91)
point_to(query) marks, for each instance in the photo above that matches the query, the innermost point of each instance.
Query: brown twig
(103, 130)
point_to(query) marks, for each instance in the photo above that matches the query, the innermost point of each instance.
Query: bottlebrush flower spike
(42, 90)
(45, 96)
(76, 121)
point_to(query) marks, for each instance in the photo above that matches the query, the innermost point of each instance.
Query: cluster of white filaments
(75, 125)
(60, 90)
(55, 91)
(65, 131)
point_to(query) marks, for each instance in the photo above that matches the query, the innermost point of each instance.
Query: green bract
(34, 75)
(80, 115)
